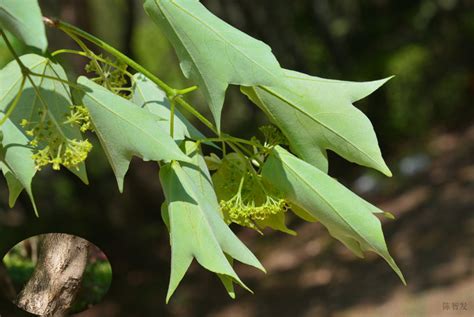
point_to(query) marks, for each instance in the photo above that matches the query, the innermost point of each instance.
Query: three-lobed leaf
(196, 227)
(126, 130)
(23, 18)
(317, 115)
(213, 53)
(347, 217)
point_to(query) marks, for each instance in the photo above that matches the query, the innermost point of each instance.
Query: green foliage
(35, 134)
(213, 53)
(24, 20)
(18, 267)
(243, 198)
(149, 96)
(254, 182)
(316, 115)
(95, 284)
(196, 227)
(348, 217)
(125, 130)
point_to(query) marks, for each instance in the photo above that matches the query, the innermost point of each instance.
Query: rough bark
(55, 282)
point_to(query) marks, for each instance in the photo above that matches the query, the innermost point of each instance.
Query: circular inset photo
(55, 274)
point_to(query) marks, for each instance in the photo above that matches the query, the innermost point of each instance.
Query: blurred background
(424, 119)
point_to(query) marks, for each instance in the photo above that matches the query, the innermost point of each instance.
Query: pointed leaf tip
(197, 229)
(347, 217)
(317, 115)
(199, 38)
(126, 130)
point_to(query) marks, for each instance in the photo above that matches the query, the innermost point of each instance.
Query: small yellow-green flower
(50, 146)
(80, 116)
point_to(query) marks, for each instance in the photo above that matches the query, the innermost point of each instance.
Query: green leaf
(348, 217)
(303, 214)
(23, 19)
(276, 222)
(227, 180)
(197, 229)
(213, 53)
(149, 96)
(16, 152)
(14, 186)
(228, 175)
(17, 164)
(125, 130)
(317, 115)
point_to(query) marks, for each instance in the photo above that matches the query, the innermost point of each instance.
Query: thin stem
(12, 50)
(172, 108)
(68, 51)
(68, 28)
(250, 166)
(170, 92)
(86, 55)
(239, 140)
(243, 148)
(186, 90)
(186, 106)
(15, 102)
(64, 81)
(89, 53)
(45, 105)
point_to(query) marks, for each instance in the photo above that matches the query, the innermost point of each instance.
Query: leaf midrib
(16, 82)
(157, 140)
(294, 106)
(200, 72)
(223, 39)
(293, 171)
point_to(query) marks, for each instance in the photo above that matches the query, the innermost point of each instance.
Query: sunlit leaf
(149, 96)
(14, 186)
(213, 53)
(126, 130)
(317, 115)
(227, 182)
(17, 154)
(348, 217)
(197, 229)
(23, 18)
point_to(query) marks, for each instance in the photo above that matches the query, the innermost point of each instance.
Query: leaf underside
(213, 53)
(197, 229)
(126, 130)
(23, 19)
(348, 218)
(16, 153)
(317, 115)
(149, 96)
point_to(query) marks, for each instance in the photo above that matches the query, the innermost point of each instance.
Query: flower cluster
(246, 213)
(80, 116)
(111, 74)
(251, 205)
(69, 153)
(52, 147)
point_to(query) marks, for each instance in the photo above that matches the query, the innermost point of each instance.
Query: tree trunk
(53, 286)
